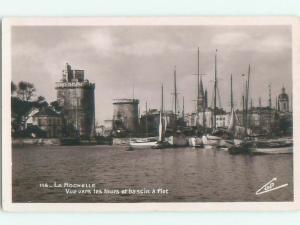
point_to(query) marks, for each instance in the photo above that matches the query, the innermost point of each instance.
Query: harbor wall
(35, 141)
(121, 141)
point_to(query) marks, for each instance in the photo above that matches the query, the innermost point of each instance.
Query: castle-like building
(75, 95)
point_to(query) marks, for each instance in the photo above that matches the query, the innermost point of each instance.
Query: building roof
(46, 111)
(125, 101)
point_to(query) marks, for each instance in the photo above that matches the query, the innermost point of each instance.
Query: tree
(40, 102)
(41, 99)
(13, 87)
(56, 106)
(25, 90)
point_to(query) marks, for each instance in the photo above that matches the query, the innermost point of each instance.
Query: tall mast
(231, 93)
(146, 119)
(133, 92)
(162, 99)
(175, 93)
(161, 119)
(198, 79)
(215, 91)
(270, 96)
(247, 98)
(183, 107)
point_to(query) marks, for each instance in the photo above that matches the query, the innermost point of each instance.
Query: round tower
(125, 115)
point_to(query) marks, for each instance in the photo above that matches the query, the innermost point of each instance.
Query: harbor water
(47, 173)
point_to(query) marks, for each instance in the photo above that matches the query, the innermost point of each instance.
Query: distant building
(28, 118)
(125, 115)
(105, 129)
(205, 119)
(149, 123)
(260, 119)
(76, 97)
(283, 101)
(49, 121)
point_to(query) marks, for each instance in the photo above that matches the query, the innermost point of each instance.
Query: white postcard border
(141, 207)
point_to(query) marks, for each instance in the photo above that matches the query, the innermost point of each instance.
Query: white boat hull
(210, 141)
(142, 145)
(177, 141)
(280, 150)
(195, 142)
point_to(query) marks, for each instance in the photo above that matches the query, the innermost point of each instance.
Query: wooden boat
(277, 150)
(272, 146)
(211, 141)
(142, 143)
(177, 140)
(266, 146)
(195, 142)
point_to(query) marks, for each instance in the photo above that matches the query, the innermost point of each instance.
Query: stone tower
(283, 101)
(76, 97)
(125, 114)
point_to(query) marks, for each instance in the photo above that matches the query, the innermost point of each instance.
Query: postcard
(150, 114)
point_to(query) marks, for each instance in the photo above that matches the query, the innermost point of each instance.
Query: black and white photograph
(137, 110)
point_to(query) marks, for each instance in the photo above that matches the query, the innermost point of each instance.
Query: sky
(118, 58)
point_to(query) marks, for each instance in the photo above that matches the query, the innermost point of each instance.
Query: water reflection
(190, 175)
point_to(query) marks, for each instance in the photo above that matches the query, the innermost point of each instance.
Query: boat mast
(198, 81)
(146, 119)
(161, 125)
(231, 93)
(247, 100)
(215, 92)
(270, 96)
(183, 107)
(175, 95)
(162, 99)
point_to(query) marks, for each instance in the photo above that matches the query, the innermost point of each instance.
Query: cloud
(116, 57)
(233, 38)
(242, 41)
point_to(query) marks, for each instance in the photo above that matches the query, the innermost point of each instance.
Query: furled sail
(234, 126)
(162, 127)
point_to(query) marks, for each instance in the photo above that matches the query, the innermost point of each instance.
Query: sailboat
(235, 131)
(213, 140)
(242, 139)
(177, 139)
(143, 143)
(162, 143)
(196, 140)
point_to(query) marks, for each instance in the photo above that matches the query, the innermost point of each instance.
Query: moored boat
(272, 146)
(142, 143)
(195, 142)
(211, 141)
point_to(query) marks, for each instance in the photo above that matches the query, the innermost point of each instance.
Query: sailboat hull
(196, 142)
(177, 141)
(210, 141)
(281, 150)
(142, 145)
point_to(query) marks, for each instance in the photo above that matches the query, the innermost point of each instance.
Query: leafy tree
(25, 90)
(41, 99)
(13, 87)
(56, 106)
